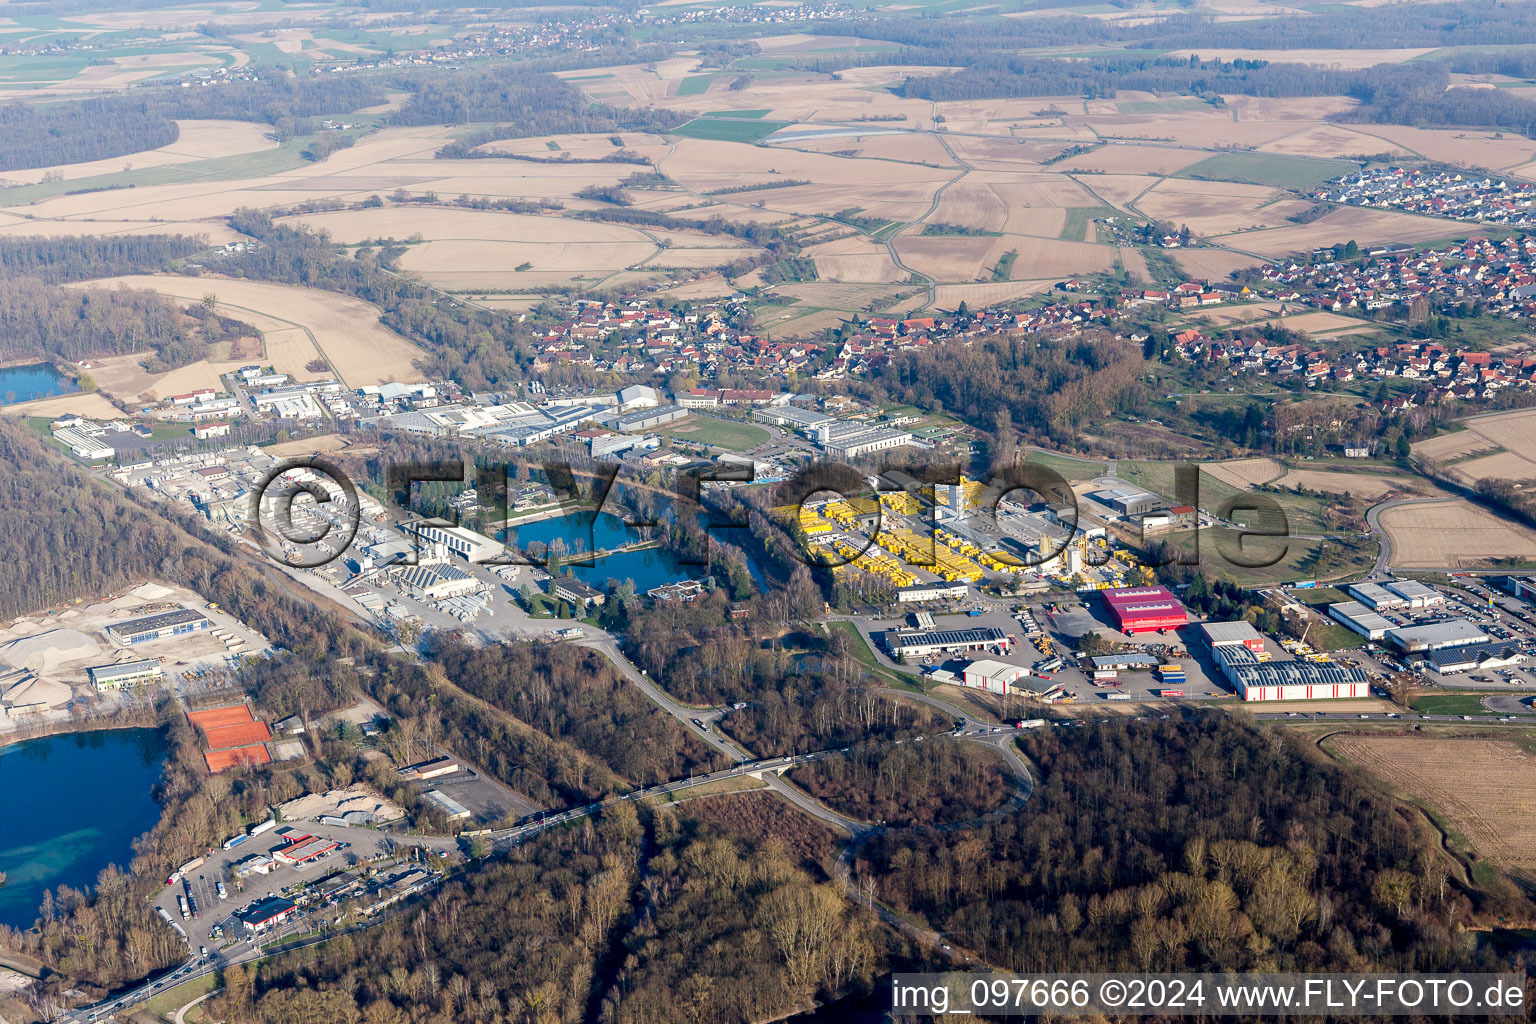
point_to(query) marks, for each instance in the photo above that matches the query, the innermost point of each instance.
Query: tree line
(1410, 94)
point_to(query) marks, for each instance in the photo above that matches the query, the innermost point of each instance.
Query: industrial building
(1130, 660)
(1521, 586)
(645, 419)
(305, 850)
(435, 582)
(1376, 597)
(939, 590)
(1256, 680)
(1225, 634)
(127, 673)
(267, 913)
(1472, 657)
(255, 864)
(1356, 616)
(1144, 609)
(993, 676)
(1416, 594)
(565, 588)
(862, 440)
(156, 627)
(805, 420)
(454, 810)
(467, 544)
(83, 445)
(1436, 635)
(1128, 503)
(430, 769)
(921, 643)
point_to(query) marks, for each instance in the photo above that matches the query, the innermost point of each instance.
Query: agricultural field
(297, 325)
(1243, 474)
(1481, 789)
(1453, 533)
(81, 403)
(1370, 486)
(722, 129)
(1501, 446)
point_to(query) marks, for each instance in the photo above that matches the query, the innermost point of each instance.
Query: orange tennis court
(221, 760)
(212, 718)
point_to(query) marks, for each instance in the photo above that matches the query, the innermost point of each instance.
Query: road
(1510, 718)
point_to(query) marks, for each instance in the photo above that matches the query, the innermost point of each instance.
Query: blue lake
(25, 383)
(586, 532)
(71, 805)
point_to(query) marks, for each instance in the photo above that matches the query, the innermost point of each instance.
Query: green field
(721, 433)
(694, 85)
(720, 130)
(764, 112)
(1080, 217)
(1216, 545)
(1004, 269)
(1070, 469)
(1158, 106)
(1450, 704)
(1293, 172)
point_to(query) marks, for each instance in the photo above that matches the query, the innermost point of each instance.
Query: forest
(805, 691)
(1039, 388)
(649, 917)
(525, 103)
(56, 260)
(575, 694)
(1195, 844)
(45, 134)
(38, 319)
(930, 784)
(67, 133)
(79, 537)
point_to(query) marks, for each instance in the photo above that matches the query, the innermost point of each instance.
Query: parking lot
(201, 882)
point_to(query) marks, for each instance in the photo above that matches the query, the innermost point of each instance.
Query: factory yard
(1485, 790)
(212, 922)
(46, 661)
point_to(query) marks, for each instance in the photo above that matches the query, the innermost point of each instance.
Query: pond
(72, 804)
(584, 532)
(25, 383)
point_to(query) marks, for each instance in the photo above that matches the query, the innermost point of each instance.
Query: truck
(231, 843)
(974, 612)
(181, 905)
(569, 633)
(1030, 723)
(1049, 666)
(1117, 696)
(223, 892)
(260, 827)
